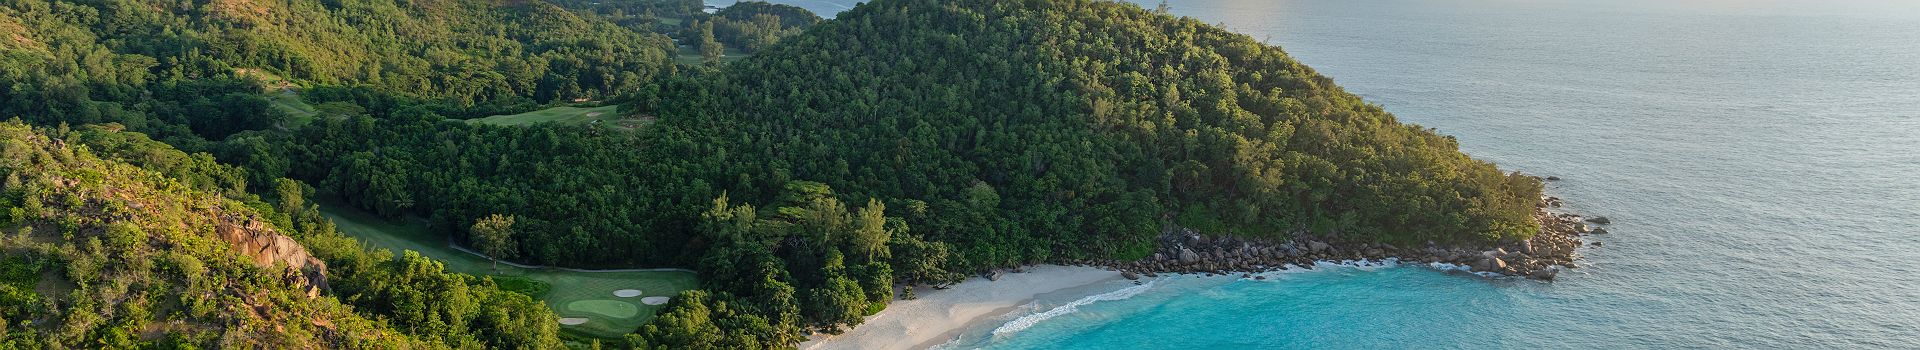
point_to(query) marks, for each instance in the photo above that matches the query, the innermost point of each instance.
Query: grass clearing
(691, 56)
(609, 115)
(299, 113)
(563, 288)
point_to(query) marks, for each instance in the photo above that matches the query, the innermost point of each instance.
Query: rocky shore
(1541, 257)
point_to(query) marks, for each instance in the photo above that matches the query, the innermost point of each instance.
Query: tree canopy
(905, 142)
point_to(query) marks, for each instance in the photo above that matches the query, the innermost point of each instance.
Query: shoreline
(1541, 257)
(939, 315)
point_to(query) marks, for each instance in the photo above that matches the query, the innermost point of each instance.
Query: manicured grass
(564, 288)
(603, 307)
(691, 56)
(609, 115)
(299, 113)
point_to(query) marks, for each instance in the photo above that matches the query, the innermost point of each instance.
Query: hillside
(115, 241)
(1092, 122)
(910, 141)
(98, 252)
(176, 69)
(1014, 132)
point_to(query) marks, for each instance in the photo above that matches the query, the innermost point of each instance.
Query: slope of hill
(1088, 121)
(112, 255)
(116, 241)
(1032, 131)
(171, 67)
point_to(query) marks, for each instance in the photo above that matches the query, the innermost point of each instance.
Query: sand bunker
(593, 114)
(653, 300)
(626, 293)
(573, 320)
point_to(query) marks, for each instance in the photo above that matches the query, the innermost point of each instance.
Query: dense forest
(183, 71)
(905, 142)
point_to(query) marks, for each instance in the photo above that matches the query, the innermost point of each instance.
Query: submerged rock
(1544, 274)
(1600, 220)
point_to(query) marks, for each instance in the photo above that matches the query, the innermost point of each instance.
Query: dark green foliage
(752, 26)
(1048, 129)
(998, 132)
(185, 71)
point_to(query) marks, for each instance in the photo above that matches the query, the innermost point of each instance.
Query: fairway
(688, 55)
(609, 114)
(574, 294)
(299, 113)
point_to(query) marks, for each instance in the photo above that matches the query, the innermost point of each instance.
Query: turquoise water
(1760, 159)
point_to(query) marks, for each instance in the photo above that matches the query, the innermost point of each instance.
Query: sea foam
(1030, 320)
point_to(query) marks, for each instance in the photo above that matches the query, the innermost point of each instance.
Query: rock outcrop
(270, 249)
(1539, 257)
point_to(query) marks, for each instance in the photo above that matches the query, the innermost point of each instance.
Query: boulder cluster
(1541, 257)
(268, 248)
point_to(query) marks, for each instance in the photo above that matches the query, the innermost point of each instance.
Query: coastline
(1541, 257)
(938, 315)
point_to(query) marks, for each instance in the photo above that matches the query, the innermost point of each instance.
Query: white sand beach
(939, 315)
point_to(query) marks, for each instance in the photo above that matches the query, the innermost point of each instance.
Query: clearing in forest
(690, 55)
(608, 115)
(585, 300)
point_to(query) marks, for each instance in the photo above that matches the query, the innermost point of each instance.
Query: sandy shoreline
(939, 315)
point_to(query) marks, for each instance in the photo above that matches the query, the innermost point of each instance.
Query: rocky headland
(1541, 257)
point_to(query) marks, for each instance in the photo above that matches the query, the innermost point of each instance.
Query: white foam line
(1027, 321)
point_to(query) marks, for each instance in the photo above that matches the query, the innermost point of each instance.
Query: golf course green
(595, 296)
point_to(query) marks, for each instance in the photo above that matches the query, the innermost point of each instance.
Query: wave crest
(1030, 320)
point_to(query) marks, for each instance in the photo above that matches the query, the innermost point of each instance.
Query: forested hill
(995, 133)
(1076, 127)
(166, 66)
(111, 240)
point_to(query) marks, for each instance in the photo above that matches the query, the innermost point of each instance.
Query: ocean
(1760, 161)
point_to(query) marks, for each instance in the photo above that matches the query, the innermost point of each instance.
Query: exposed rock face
(269, 249)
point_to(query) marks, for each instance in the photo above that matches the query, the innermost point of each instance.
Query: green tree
(493, 236)
(870, 233)
(710, 48)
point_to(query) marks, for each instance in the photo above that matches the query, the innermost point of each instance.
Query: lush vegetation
(184, 71)
(906, 142)
(753, 26)
(111, 243)
(559, 289)
(610, 115)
